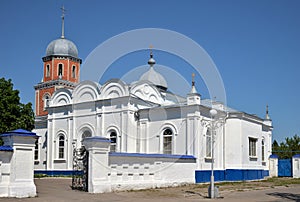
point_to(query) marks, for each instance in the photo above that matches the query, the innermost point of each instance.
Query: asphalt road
(52, 190)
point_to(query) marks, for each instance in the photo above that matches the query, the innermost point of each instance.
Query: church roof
(62, 47)
(217, 105)
(153, 76)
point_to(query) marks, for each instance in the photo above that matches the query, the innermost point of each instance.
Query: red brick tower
(61, 70)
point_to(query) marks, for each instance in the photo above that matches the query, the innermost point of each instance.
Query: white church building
(142, 118)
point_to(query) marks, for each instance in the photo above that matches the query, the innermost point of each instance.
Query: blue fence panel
(230, 175)
(285, 168)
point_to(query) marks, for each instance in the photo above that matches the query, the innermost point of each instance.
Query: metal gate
(284, 167)
(80, 169)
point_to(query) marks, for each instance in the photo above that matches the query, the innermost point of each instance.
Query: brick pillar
(98, 167)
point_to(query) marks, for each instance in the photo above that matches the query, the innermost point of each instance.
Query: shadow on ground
(295, 197)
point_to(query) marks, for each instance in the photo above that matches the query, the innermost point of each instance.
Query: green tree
(13, 114)
(288, 148)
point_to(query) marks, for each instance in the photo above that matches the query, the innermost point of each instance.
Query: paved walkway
(52, 190)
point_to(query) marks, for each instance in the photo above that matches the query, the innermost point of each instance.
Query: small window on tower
(48, 70)
(46, 101)
(74, 71)
(60, 70)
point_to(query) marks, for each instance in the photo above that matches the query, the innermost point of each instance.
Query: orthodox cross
(63, 10)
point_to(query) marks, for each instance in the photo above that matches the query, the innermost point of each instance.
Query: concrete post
(296, 166)
(98, 168)
(21, 165)
(273, 166)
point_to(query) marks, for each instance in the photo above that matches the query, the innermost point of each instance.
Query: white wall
(134, 171)
(233, 145)
(296, 166)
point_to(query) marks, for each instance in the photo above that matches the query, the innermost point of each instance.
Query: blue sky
(254, 44)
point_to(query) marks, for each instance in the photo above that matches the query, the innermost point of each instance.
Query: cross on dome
(151, 61)
(63, 10)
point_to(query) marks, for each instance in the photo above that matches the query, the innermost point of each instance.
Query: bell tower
(61, 70)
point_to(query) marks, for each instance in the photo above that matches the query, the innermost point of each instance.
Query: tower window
(73, 71)
(48, 70)
(60, 70)
(46, 101)
(167, 141)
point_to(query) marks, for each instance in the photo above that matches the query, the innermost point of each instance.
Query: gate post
(19, 165)
(273, 165)
(98, 169)
(296, 166)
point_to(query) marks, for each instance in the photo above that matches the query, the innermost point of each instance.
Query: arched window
(73, 71)
(113, 139)
(61, 147)
(208, 143)
(46, 101)
(85, 134)
(48, 70)
(60, 70)
(167, 141)
(263, 150)
(36, 150)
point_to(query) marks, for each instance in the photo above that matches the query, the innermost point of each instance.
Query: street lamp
(211, 189)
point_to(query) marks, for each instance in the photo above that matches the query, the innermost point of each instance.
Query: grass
(227, 186)
(254, 185)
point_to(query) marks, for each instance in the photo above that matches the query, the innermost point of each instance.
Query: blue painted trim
(56, 172)
(266, 173)
(6, 148)
(230, 175)
(296, 156)
(152, 155)
(274, 156)
(19, 132)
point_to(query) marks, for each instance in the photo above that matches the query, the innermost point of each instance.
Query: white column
(143, 136)
(99, 125)
(98, 165)
(70, 146)
(124, 130)
(50, 145)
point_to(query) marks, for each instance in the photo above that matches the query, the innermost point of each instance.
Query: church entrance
(80, 169)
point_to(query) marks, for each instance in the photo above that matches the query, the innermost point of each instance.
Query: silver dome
(154, 77)
(62, 47)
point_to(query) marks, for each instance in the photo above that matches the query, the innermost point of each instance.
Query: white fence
(131, 171)
(295, 166)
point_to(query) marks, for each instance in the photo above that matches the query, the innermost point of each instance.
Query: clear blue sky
(254, 44)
